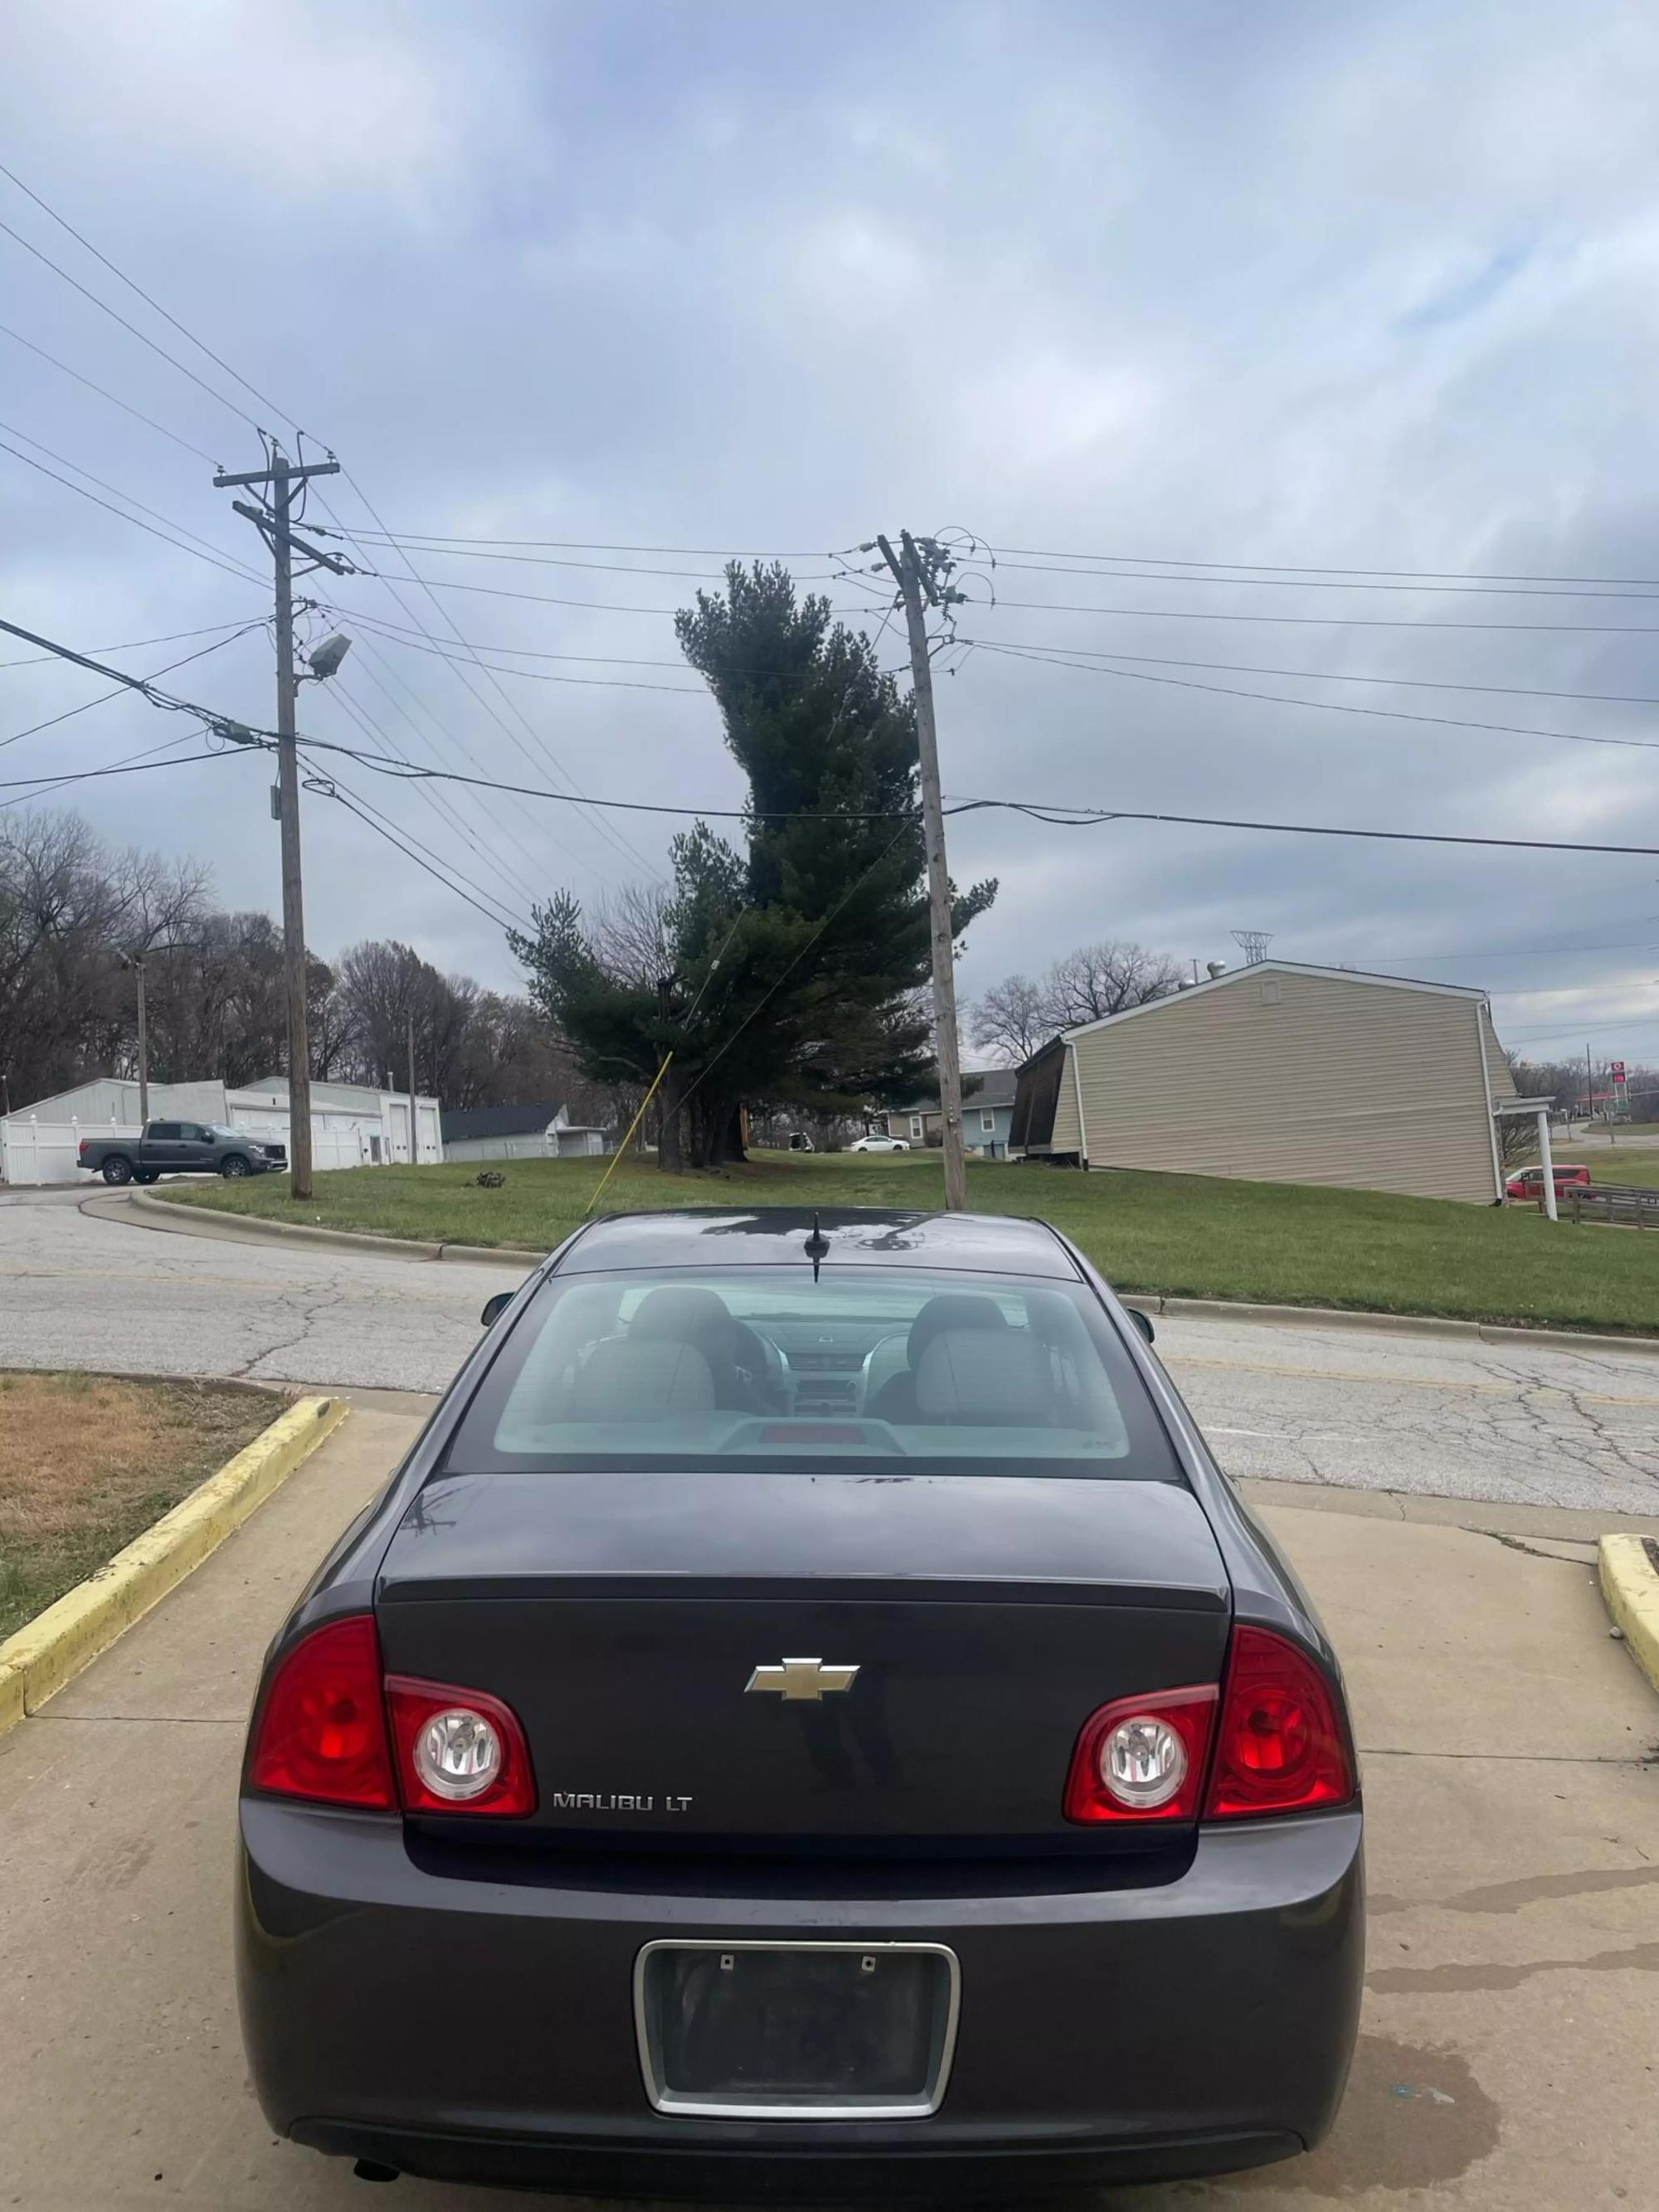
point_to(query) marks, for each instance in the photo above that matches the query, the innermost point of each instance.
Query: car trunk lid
(642, 1627)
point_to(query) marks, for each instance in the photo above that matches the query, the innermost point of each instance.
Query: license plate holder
(744, 2029)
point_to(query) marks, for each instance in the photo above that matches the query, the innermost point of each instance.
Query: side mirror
(495, 1306)
(1143, 1321)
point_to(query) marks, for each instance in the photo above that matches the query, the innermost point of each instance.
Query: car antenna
(817, 1246)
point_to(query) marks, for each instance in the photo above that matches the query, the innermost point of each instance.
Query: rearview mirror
(1143, 1321)
(495, 1306)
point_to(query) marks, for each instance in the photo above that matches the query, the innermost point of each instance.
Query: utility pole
(272, 522)
(915, 580)
(1589, 1089)
(135, 960)
(414, 1145)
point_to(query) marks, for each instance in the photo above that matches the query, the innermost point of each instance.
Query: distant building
(351, 1125)
(1278, 1072)
(541, 1130)
(987, 1106)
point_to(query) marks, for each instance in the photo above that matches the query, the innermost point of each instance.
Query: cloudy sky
(1128, 292)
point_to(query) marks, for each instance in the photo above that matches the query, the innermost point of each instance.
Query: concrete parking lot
(1421, 1414)
(1512, 2028)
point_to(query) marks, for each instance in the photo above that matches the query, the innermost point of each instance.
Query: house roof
(499, 1120)
(981, 1086)
(1277, 968)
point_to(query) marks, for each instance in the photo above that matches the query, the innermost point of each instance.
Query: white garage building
(352, 1126)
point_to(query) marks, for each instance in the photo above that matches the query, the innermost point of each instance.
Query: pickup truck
(181, 1148)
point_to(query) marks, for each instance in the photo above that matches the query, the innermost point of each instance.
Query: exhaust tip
(369, 2169)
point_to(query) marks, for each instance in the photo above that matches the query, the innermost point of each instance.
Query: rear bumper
(482, 2030)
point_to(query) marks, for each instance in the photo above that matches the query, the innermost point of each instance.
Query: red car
(1530, 1181)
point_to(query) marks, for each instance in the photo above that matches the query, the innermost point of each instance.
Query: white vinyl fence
(35, 1151)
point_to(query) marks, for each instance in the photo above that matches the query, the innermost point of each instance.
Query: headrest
(625, 1379)
(986, 1379)
(956, 1309)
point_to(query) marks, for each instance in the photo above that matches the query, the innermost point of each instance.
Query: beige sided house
(1281, 1074)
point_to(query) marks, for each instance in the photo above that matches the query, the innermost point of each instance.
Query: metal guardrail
(1629, 1205)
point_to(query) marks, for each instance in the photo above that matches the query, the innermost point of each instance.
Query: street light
(325, 659)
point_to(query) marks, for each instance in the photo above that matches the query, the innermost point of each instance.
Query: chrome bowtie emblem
(799, 1679)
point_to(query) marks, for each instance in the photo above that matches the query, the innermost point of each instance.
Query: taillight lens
(1141, 1760)
(322, 1731)
(458, 1751)
(1282, 1745)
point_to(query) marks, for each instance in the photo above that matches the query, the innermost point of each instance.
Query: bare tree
(1012, 1020)
(1106, 978)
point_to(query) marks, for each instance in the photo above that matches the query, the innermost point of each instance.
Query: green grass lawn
(1185, 1236)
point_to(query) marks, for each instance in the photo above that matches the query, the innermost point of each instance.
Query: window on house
(916, 1125)
(988, 1122)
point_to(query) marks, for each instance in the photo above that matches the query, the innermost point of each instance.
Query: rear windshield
(869, 1366)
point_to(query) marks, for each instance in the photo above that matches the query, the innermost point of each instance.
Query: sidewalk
(1513, 2007)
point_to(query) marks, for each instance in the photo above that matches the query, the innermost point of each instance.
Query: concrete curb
(1630, 1584)
(50, 1650)
(1387, 1324)
(168, 1213)
(1151, 1302)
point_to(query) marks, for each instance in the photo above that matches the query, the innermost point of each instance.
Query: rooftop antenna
(817, 1246)
(1253, 943)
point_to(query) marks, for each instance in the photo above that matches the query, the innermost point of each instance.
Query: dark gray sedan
(808, 1718)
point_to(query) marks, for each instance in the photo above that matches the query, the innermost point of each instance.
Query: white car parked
(878, 1144)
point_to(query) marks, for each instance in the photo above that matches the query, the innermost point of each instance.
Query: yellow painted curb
(1630, 1584)
(52, 1649)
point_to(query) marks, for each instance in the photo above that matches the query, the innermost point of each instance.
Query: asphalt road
(1422, 1414)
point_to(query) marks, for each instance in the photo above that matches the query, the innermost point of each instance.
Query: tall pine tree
(793, 970)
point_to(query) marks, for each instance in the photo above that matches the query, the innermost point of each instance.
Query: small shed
(1281, 1073)
(542, 1130)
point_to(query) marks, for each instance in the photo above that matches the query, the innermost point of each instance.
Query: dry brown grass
(87, 1462)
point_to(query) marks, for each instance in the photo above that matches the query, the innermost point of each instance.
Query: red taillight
(458, 1751)
(1282, 1745)
(322, 1732)
(1142, 1760)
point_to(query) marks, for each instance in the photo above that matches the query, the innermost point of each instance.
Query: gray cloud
(1350, 287)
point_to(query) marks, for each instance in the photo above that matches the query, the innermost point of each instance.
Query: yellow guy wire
(628, 1139)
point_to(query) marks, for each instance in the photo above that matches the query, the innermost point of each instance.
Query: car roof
(860, 1235)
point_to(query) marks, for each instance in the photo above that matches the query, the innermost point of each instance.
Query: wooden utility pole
(135, 960)
(272, 522)
(915, 581)
(414, 1142)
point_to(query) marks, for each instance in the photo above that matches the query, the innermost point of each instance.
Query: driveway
(1511, 2015)
(1422, 1414)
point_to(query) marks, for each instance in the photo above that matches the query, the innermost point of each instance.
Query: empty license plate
(796, 2031)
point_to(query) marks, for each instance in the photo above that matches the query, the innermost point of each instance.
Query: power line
(372, 659)
(116, 316)
(103, 697)
(625, 845)
(1314, 568)
(393, 834)
(454, 552)
(1306, 675)
(92, 775)
(63, 223)
(49, 784)
(132, 644)
(1316, 583)
(1305, 622)
(245, 575)
(114, 398)
(1060, 817)
(433, 539)
(467, 684)
(1318, 706)
(439, 801)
